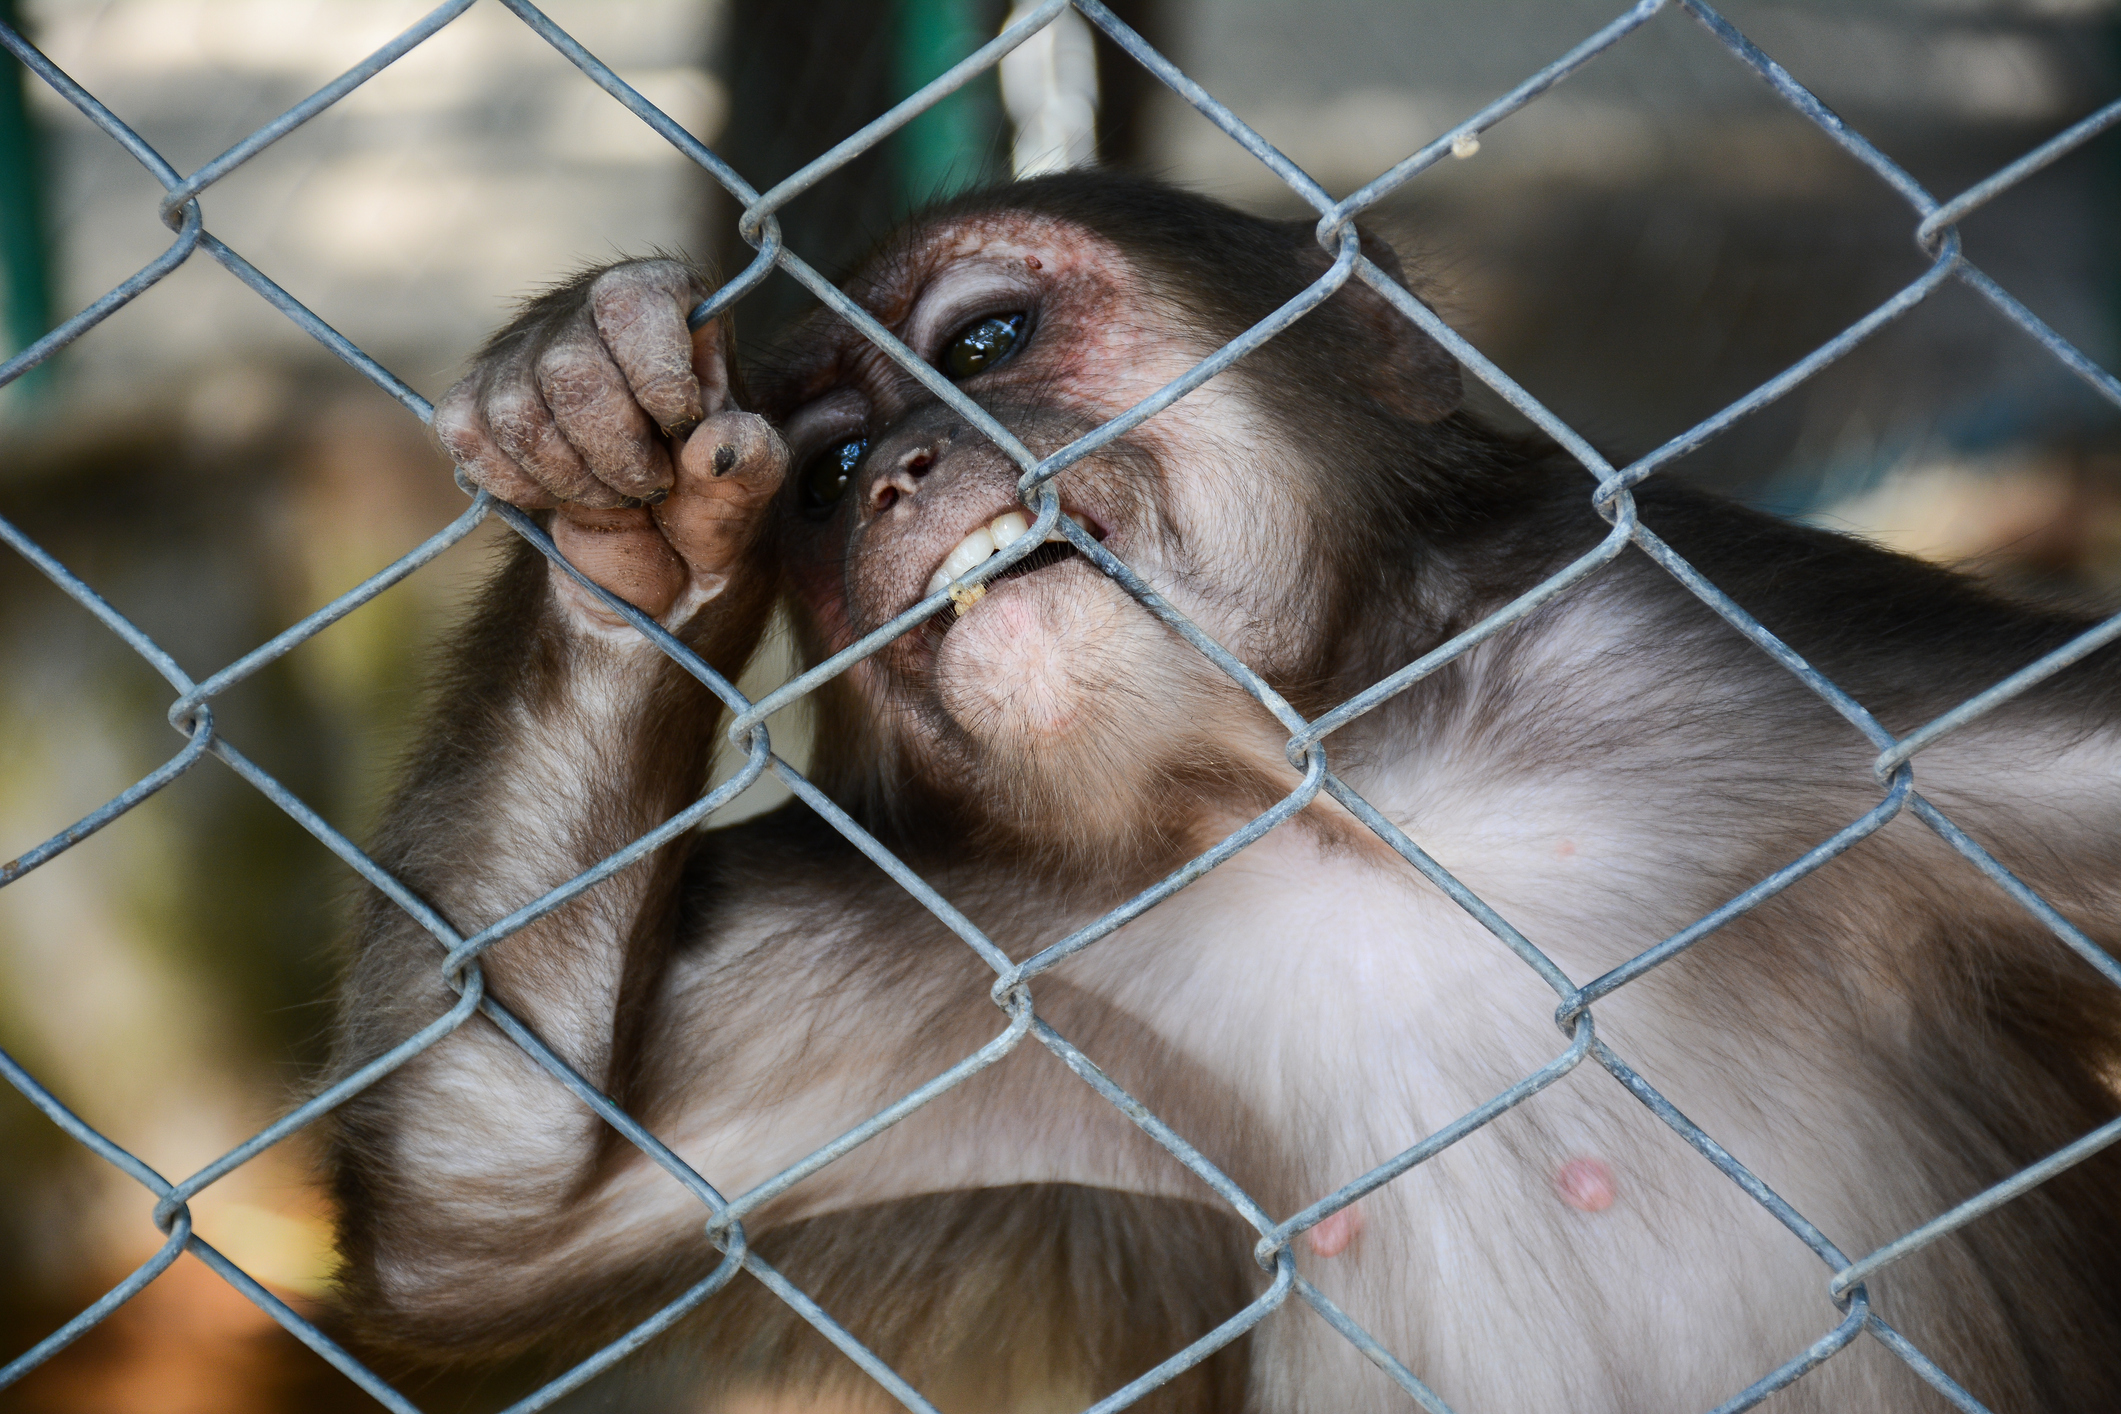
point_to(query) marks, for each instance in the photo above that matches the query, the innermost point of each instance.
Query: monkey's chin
(1033, 666)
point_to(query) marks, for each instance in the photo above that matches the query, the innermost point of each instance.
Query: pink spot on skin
(1333, 1236)
(1586, 1185)
(1564, 849)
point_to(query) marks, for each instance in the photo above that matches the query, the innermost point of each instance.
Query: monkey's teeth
(1008, 528)
(970, 551)
(996, 535)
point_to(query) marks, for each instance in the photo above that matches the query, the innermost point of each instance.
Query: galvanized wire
(1846, 1312)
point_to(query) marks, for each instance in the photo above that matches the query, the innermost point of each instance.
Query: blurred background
(1642, 246)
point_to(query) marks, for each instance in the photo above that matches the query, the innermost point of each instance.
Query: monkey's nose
(901, 480)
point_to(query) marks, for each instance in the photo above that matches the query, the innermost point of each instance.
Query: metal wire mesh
(1014, 990)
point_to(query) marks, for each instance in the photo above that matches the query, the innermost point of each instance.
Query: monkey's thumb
(727, 475)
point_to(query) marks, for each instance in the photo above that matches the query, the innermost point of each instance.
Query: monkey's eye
(982, 344)
(830, 473)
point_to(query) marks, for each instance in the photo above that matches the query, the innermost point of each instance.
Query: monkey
(1877, 1042)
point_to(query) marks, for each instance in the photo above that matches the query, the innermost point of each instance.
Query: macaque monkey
(1879, 1042)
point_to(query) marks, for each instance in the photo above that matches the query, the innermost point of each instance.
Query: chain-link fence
(1934, 224)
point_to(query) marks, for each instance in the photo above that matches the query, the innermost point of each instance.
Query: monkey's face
(1046, 692)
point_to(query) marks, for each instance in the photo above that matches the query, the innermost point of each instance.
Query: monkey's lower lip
(1050, 553)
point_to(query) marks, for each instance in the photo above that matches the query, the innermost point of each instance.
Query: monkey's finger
(595, 410)
(727, 476)
(524, 428)
(639, 311)
(622, 551)
(461, 428)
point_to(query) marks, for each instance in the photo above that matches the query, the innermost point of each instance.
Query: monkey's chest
(1336, 1029)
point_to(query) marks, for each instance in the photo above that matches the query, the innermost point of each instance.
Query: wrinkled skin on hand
(600, 405)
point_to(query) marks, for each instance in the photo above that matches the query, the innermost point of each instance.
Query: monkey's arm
(557, 742)
(559, 736)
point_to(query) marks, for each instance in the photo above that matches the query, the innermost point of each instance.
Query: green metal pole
(2110, 208)
(25, 265)
(955, 144)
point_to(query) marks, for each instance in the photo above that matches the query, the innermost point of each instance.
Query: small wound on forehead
(1586, 1185)
(1335, 1234)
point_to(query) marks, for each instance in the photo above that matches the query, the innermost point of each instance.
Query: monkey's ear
(1416, 377)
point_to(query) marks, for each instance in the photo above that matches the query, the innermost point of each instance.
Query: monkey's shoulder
(1906, 637)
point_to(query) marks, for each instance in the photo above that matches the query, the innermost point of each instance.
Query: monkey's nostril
(920, 464)
(886, 497)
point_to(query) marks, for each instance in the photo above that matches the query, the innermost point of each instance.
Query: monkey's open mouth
(990, 539)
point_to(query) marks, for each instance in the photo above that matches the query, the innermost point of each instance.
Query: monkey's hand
(600, 403)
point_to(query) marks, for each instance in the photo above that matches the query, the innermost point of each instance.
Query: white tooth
(970, 551)
(1078, 520)
(1008, 528)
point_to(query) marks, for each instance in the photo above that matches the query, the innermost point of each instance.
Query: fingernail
(678, 431)
(724, 459)
(630, 503)
(656, 497)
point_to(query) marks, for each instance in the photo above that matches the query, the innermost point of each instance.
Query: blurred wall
(1661, 234)
(216, 475)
